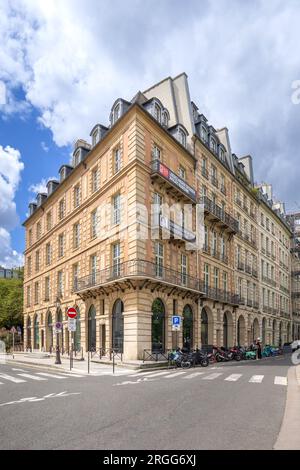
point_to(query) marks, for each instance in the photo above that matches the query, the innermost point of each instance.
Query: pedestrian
(258, 343)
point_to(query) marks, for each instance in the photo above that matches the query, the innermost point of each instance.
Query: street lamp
(57, 357)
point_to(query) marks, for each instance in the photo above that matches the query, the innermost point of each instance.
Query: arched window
(29, 333)
(49, 332)
(204, 327)
(187, 328)
(157, 112)
(77, 335)
(182, 136)
(118, 326)
(158, 326)
(92, 329)
(36, 336)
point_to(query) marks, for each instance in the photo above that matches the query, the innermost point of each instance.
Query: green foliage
(11, 302)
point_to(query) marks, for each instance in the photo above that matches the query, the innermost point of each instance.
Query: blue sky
(64, 62)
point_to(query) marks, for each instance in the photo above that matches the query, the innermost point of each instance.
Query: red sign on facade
(72, 312)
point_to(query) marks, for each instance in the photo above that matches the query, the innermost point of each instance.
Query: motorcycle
(201, 358)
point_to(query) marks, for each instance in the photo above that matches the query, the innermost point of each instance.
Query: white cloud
(40, 187)
(73, 58)
(9, 258)
(11, 167)
(45, 147)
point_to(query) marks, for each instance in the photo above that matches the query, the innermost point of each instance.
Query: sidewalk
(289, 436)
(96, 367)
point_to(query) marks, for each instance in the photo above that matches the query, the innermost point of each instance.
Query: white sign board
(72, 324)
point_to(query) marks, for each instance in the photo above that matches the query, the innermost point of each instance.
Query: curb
(289, 435)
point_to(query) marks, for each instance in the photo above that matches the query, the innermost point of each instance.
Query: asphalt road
(211, 408)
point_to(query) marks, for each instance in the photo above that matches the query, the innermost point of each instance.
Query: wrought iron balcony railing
(219, 214)
(172, 181)
(138, 269)
(219, 295)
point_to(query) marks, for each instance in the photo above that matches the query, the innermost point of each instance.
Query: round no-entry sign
(72, 312)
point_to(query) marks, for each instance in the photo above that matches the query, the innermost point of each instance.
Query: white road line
(33, 377)
(233, 377)
(256, 379)
(11, 379)
(1, 383)
(51, 375)
(191, 376)
(71, 375)
(173, 375)
(156, 374)
(20, 370)
(140, 374)
(280, 380)
(213, 376)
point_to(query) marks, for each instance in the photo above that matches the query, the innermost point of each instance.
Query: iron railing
(219, 294)
(219, 213)
(159, 168)
(136, 269)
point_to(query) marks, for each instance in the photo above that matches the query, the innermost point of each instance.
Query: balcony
(175, 185)
(219, 295)
(177, 233)
(249, 303)
(218, 215)
(284, 289)
(137, 274)
(255, 304)
(240, 266)
(219, 256)
(268, 280)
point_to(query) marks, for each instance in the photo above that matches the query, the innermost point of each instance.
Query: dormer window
(165, 118)
(213, 145)
(204, 134)
(95, 137)
(116, 113)
(222, 154)
(156, 153)
(182, 137)
(63, 174)
(157, 112)
(77, 158)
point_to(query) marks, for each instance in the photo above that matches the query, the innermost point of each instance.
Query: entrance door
(92, 329)
(187, 328)
(118, 326)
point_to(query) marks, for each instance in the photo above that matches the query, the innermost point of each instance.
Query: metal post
(88, 362)
(57, 359)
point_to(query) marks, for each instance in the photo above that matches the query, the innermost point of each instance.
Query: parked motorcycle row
(181, 358)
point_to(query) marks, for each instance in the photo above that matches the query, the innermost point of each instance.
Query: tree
(11, 302)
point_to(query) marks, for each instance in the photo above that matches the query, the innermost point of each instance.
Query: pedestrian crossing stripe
(44, 374)
(233, 377)
(176, 374)
(213, 376)
(195, 374)
(280, 380)
(11, 379)
(33, 377)
(256, 379)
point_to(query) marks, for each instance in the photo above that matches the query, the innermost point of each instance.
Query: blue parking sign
(176, 320)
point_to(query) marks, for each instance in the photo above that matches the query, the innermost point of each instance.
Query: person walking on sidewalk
(258, 344)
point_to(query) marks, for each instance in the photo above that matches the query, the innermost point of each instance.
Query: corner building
(104, 240)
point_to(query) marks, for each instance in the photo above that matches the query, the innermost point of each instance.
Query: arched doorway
(204, 327)
(77, 333)
(49, 333)
(255, 329)
(187, 328)
(92, 329)
(274, 333)
(280, 334)
(36, 334)
(241, 330)
(118, 326)
(29, 344)
(60, 335)
(158, 326)
(263, 331)
(227, 330)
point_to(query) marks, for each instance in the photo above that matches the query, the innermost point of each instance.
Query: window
(182, 137)
(182, 172)
(116, 259)
(206, 275)
(77, 157)
(28, 296)
(159, 259)
(95, 137)
(49, 221)
(204, 167)
(29, 265)
(223, 248)
(93, 267)
(75, 271)
(76, 196)
(156, 153)
(165, 118)
(116, 113)
(213, 145)
(94, 223)
(76, 235)
(61, 209)
(116, 209)
(240, 288)
(183, 269)
(47, 288)
(61, 245)
(30, 237)
(60, 284)
(95, 180)
(117, 160)
(203, 134)
(48, 254)
(36, 292)
(216, 278)
(157, 112)
(222, 154)
(205, 239)
(225, 281)
(214, 241)
(38, 230)
(37, 261)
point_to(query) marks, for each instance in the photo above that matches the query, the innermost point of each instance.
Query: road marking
(11, 379)
(33, 377)
(213, 376)
(280, 380)
(157, 374)
(256, 379)
(233, 377)
(191, 376)
(141, 373)
(20, 370)
(51, 375)
(174, 375)
(71, 375)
